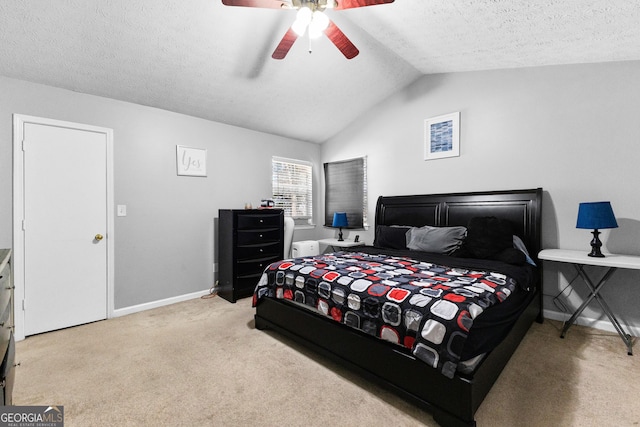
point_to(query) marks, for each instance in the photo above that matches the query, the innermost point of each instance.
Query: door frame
(19, 120)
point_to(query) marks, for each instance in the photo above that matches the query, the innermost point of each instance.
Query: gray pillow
(439, 240)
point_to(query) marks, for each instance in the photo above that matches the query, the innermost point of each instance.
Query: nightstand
(340, 244)
(611, 262)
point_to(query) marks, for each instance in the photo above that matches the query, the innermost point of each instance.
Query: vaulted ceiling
(204, 59)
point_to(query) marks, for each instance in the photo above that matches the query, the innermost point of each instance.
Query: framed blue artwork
(442, 136)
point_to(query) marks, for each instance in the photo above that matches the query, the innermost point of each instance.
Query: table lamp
(339, 221)
(596, 215)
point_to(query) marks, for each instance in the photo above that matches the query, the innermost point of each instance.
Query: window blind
(346, 191)
(292, 187)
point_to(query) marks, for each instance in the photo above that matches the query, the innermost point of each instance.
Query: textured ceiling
(207, 60)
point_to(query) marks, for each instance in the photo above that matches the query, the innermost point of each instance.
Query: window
(346, 191)
(292, 188)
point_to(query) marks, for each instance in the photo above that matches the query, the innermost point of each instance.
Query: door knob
(99, 237)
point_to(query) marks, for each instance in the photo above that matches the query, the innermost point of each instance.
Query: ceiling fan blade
(268, 4)
(285, 44)
(350, 4)
(337, 37)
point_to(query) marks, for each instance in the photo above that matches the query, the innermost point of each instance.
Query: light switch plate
(122, 210)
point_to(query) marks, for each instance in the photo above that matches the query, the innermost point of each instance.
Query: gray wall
(572, 130)
(164, 247)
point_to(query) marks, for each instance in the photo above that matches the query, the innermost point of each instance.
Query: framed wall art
(442, 136)
(191, 161)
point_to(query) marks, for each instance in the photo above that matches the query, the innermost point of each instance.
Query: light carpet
(202, 363)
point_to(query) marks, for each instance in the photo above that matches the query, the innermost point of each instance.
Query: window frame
(304, 219)
(328, 203)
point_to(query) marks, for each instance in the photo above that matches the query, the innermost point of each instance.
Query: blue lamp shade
(595, 216)
(339, 221)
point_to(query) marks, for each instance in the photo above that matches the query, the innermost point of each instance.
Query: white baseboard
(160, 303)
(601, 324)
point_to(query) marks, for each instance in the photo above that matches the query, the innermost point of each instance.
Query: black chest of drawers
(7, 341)
(248, 241)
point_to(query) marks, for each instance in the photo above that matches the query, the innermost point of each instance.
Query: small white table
(610, 261)
(335, 243)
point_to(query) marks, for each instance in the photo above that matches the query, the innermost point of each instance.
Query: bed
(451, 395)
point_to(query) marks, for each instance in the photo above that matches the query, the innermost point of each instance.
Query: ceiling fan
(312, 19)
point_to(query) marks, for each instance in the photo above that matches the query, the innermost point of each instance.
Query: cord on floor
(213, 291)
(558, 302)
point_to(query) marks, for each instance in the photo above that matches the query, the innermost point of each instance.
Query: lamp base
(596, 244)
(340, 239)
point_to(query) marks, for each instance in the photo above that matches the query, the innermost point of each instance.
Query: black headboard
(522, 207)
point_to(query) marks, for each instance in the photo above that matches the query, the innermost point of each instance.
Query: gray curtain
(344, 191)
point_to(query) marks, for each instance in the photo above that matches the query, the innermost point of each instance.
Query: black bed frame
(452, 402)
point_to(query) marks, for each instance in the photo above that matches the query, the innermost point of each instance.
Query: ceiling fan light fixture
(320, 20)
(299, 28)
(304, 15)
(314, 33)
(303, 19)
(318, 24)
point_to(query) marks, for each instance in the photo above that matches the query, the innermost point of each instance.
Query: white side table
(612, 262)
(341, 244)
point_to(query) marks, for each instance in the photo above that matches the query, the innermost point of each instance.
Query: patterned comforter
(426, 307)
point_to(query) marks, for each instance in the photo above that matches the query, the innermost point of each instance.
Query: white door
(66, 226)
